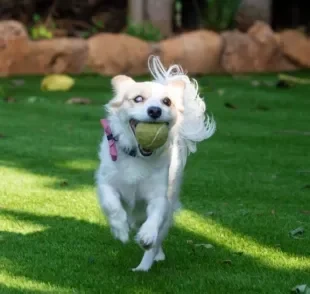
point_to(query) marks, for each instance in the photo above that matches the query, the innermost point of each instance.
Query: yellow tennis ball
(151, 136)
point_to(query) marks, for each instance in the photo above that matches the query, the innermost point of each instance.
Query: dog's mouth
(133, 124)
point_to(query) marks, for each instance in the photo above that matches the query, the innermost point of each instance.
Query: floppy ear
(120, 84)
(180, 84)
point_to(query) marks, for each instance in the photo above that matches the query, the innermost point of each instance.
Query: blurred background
(117, 36)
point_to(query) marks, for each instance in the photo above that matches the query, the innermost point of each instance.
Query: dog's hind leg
(112, 207)
(147, 260)
(160, 256)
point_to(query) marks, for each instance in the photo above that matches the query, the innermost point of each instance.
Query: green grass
(251, 174)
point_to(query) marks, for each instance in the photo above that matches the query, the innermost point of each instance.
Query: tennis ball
(151, 136)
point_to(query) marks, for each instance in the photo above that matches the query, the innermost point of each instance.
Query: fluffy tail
(196, 126)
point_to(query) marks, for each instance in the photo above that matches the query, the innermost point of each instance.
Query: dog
(139, 189)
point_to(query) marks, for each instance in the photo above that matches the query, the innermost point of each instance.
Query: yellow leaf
(57, 82)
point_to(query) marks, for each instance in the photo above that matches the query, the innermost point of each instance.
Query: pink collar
(111, 139)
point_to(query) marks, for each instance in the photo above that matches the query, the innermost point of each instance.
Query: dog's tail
(196, 125)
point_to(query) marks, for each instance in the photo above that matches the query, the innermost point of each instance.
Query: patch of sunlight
(13, 178)
(23, 284)
(78, 165)
(224, 237)
(12, 225)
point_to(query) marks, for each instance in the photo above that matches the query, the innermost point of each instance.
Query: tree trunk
(158, 12)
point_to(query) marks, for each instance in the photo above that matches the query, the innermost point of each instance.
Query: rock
(13, 45)
(296, 46)
(112, 54)
(59, 55)
(197, 52)
(259, 50)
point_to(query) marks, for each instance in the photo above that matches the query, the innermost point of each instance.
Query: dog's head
(136, 102)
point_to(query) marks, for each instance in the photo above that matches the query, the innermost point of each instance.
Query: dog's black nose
(154, 112)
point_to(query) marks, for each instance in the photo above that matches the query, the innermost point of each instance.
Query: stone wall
(199, 52)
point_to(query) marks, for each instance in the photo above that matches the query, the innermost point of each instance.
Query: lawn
(244, 191)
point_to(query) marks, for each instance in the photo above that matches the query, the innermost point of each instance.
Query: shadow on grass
(80, 256)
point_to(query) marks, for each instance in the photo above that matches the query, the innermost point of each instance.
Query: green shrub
(40, 30)
(220, 14)
(145, 31)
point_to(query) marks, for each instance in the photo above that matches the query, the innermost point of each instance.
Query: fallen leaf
(17, 83)
(305, 211)
(9, 100)
(262, 107)
(244, 211)
(32, 99)
(221, 92)
(2, 136)
(229, 105)
(227, 261)
(209, 213)
(296, 132)
(292, 79)
(273, 212)
(268, 83)
(57, 82)
(64, 183)
(77, 100)
(207, 246)
(238, 253)
(297, 232)
(283, 84)
(302, 289)
(255, 83)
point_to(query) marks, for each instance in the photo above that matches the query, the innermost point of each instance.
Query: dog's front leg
(147, 236)
(156, 213)
(113, 209)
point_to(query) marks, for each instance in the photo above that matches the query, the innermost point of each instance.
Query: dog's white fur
(143, 192)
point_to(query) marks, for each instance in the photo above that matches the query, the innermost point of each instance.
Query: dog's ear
(177, 84)
(177, 87)
(120, 84)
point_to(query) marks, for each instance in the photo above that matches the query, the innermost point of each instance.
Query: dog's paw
(140, 269)
(160, 256)
(147, 235)
(121, 232)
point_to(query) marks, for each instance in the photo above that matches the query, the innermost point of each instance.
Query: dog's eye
(167, 101)
(138, 99)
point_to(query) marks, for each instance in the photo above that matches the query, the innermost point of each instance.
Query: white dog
(137, 188)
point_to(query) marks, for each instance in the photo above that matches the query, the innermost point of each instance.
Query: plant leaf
(207, 246)
(297, 232)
